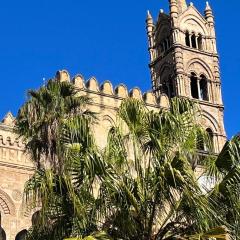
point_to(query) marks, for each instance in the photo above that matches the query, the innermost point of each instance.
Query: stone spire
(149, 17)
(150, 32)
(209, 14)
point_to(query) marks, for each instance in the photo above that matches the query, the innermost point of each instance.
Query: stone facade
(183, 62)
(15, 170)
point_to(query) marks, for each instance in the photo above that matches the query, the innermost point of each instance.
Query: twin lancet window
(194, 41)
(199, 87)
(168, 88)
(200, 142)
(165, 45)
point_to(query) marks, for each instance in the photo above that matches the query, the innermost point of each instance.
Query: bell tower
(184, 61)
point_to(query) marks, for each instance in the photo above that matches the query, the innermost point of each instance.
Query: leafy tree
(153, 192)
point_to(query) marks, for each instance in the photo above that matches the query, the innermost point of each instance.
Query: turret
(177, 7)
(209, 14)
(150, 33)
(173, 7)
(149, 23)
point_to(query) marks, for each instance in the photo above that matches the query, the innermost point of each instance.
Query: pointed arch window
(200, 42)
(210, 137)
(193, 41)
(203, 88)
(167, 87)
(187, 39)
(194, 86)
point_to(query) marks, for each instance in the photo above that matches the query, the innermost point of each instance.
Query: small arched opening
(193, 40)
(194, 86)
(21, 235)
(210, 137)
(199, 41)
(187, 39)
(2, 234)
(203, 88)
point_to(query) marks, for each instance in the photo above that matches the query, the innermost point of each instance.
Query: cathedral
(184, 62)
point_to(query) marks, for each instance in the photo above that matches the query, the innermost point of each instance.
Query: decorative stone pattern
(170, 61)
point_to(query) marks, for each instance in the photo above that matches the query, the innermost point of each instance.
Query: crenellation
(79, 82)
(121, 91)
(150, 98)
(107, 88)
(63, 76)
(135, 93)
(106, 95)
(92, 85)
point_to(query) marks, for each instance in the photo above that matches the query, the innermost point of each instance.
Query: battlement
(106, 89)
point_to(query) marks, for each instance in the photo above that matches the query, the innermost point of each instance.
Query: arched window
(21, 235)
(203, 88)
(210, 136)
(187, 39)
(2, 234)
(193, 40)
(194, 86)
(199, 41)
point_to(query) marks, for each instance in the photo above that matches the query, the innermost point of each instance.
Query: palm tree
(153, 192)
(224, 172)
(50, 116)
(40, 119)
(143, 186)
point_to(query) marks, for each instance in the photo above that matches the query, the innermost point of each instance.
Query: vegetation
(144, 185)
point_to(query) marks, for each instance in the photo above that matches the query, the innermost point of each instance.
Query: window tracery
(193, 40)
(199, 87)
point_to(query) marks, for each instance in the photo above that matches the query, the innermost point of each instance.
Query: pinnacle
(149, 16)
(208, 6)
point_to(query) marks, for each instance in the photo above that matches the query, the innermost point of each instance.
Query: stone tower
(184, 61)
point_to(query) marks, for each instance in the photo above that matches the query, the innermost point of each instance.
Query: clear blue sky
(106, 39)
